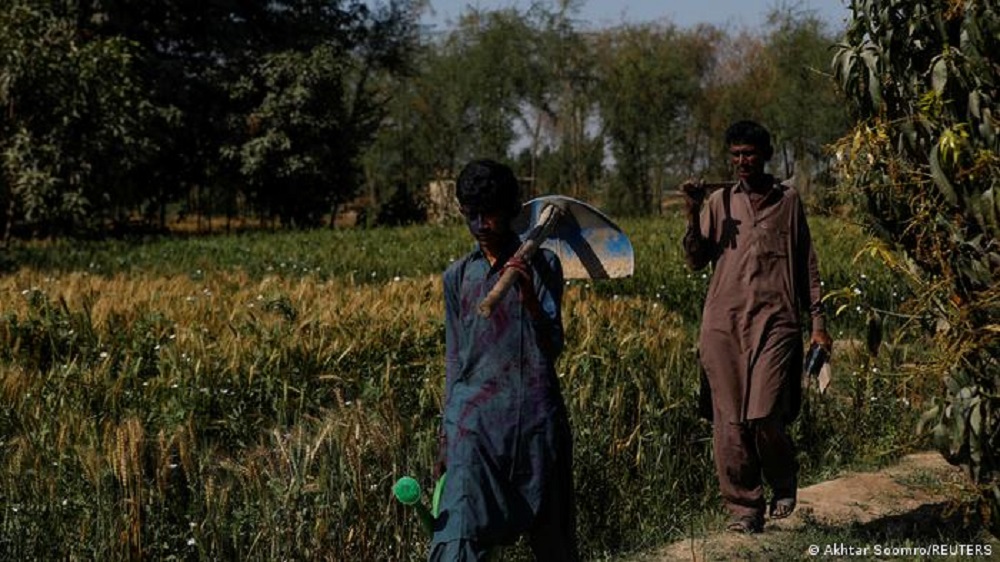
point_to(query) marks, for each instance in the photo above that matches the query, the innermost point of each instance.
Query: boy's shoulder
(544, 256)
(458, 266)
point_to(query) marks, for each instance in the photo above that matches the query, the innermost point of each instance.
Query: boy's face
(488, 227)
(748, 161)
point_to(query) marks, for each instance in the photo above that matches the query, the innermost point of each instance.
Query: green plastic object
(436, 502)
(407, 491)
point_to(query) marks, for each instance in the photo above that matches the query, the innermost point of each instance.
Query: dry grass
(259, 416)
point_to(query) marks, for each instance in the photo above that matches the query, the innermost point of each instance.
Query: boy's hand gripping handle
(547, 220)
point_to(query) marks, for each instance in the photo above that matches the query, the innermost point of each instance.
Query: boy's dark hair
(752, 133)
(487, 185)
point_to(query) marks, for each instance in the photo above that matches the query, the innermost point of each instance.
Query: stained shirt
(504, 417)
(765, 272)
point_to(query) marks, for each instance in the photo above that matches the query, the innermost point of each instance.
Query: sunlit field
(255, 397)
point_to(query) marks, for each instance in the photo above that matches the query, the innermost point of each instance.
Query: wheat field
(255, 397)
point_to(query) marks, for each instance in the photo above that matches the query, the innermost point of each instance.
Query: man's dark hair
(487, 185)
(752, 133)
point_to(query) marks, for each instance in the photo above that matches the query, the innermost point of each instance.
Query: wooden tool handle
(546, 221)
(709, 186)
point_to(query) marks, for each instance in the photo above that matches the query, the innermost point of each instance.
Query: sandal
(747, 525)
(782, 508)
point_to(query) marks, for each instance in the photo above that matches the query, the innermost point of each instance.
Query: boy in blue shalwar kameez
(506, 439)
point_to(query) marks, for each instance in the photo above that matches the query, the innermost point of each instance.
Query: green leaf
(975, 417)
(843, 65)
(870, 56)
(990, 209)
(939, 74)
(975, 98)
(927, 417)
(958, 432)
(940, 179)
(986, 128)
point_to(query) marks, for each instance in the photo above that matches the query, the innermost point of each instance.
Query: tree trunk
(8, 220)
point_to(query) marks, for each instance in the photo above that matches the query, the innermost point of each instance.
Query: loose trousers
(746, 455)
(551, 536)
(552, 539)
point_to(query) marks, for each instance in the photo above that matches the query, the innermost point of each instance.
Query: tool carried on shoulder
(588, 243)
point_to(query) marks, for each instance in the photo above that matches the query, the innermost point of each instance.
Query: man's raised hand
(694, 192)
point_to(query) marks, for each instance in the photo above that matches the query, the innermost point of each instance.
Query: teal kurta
(507, 431)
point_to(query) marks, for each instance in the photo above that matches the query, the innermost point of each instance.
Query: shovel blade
(589, 244)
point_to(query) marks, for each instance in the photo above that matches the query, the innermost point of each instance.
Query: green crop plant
(161, 404)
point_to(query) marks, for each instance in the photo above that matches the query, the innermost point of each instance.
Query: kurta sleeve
(452, 323)
(807, 269)
(549, 284)
(700, 248)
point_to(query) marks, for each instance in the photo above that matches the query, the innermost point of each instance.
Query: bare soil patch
(921, 496)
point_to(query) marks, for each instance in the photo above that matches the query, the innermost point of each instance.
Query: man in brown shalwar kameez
(755, 235)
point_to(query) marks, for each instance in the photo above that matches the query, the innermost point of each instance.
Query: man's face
(488, 227)
(748, 161)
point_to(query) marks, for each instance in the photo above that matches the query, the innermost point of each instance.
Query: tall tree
(649, 77)
(779, 76)
(565, 151)
(197, 57)
(309, 114)
(75, 123)
(495, 54)
(804, 112)
(924, 77)
(466, 101)
(291, 163)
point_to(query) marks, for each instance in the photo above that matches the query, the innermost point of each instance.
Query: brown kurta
(764, 269)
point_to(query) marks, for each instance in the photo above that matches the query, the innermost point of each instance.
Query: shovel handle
(507, 279)
(546, 220)
(709, 186)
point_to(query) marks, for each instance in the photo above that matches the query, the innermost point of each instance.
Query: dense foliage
(924, 161)
(75, 122)
(113, 111)
(120, 115)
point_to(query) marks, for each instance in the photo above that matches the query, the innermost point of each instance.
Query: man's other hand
(822, 337)
(694, 194)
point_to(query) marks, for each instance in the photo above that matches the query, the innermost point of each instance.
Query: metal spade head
(588, 243)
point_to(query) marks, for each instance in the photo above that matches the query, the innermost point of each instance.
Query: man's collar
(741, 187)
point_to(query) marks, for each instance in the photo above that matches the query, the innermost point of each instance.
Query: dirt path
(911, 500)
